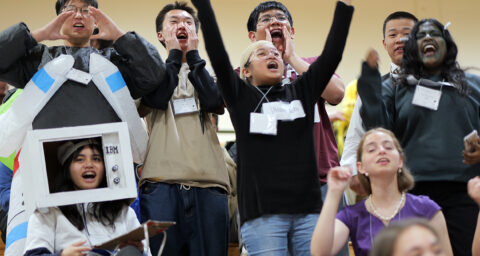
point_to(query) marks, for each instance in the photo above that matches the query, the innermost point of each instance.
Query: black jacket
(75, 104)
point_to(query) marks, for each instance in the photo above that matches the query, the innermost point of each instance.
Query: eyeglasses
(262, 53)
(269, 18)
(84, 11)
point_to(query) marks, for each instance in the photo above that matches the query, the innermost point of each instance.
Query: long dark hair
(104, 212)
(412, 64)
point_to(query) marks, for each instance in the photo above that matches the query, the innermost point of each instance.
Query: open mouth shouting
(78, 26)
(89, 176)
(272, 65)
(276, 33)
(429, 48)
(182, 35)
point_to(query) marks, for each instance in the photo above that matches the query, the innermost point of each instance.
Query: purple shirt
(364, 226)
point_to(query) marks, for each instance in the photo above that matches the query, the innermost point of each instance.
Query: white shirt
(356, 131)
(53, 231)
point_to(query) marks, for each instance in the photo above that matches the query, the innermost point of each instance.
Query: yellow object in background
(346, 107)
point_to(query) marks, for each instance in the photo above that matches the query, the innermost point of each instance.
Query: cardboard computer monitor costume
(17, 121)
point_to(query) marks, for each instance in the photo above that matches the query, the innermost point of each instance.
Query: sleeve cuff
(175, 55)
(193, 57)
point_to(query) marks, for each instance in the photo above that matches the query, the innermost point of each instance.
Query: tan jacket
(178, 152)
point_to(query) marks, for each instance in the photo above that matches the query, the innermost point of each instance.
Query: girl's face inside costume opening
(432, 47)
(87, 169)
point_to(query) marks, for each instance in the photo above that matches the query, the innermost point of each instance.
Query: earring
(366, 174)
(400, 170)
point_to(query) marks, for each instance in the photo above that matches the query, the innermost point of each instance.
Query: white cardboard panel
(118, 161)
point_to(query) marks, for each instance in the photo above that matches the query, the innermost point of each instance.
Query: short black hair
(175, 6)
(60, 4)
(265, 6)
(396, 16)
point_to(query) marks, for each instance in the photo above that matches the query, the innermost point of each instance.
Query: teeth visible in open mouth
(272, 65)
(89, 175)
(182, 36)
(429, 48)
(276, 33)
(78, 25)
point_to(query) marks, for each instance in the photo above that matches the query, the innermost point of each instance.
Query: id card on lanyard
(261, 123)
(184, 106)
(426, 97)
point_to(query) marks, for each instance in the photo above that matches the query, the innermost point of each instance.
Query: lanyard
(264, 97)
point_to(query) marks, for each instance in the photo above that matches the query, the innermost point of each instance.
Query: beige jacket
(178, 151)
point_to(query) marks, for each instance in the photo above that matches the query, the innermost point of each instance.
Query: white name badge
(79, 76)
(263, 124)
(184, 106)
(426, 97)
(283, 110)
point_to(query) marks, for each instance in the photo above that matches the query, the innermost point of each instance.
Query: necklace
(383, 218)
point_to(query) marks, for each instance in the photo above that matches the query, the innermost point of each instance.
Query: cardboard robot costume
(18, 120)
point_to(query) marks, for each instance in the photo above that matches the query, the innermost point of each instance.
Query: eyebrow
(403, 28)
(177, 17)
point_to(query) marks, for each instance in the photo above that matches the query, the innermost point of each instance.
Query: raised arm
(321, 71)
(330, 234)
(227, 79)
(369, 87)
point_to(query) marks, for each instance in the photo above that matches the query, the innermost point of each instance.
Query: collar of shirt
(394, 70)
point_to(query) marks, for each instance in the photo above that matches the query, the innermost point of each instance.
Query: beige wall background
(312, 19)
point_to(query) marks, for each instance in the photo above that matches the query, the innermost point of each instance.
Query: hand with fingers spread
(268, 36)
(338, 179)
(192, 43)
(289, 48)
(76, 249)
(108, 30)
(169, 35)
(52, 31)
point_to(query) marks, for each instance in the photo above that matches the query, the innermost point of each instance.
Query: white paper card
(316, 114)
(283, 110)
(263, 124)
(79, 76)
(426, 97)
(184, 106)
